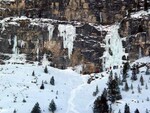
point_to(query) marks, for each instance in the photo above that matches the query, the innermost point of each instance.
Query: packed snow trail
(71, 105)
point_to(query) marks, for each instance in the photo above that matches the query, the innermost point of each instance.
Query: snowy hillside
(71, 93)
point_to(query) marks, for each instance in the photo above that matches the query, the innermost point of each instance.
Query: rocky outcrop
(137, 33)
(93, 11)
(65, 44)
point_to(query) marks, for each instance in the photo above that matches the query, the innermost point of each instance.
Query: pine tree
(36, 108)
(127, 109)
(139, 89)
(126, 67)
(119, 111)
(15, 111)
(100, 104)
(146, 87)
(52, 81)
(142, 80)
(96, 91)
(126, 87)
(42, 86)
(52, 106)
(131, 87)
(114, 91)
(146, 111)
(134, 76)
(33, 74)
(136, 111)
(45, 69)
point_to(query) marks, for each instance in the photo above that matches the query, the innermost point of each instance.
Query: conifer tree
(36, 108)
(139, 89)
(100, 104)
(136, 111)
(147, 71)
(142, 80)
(119, 111)
(42, 86)
(114, 91)
(33, 74)
(146, 87)
(126, 87)
(52, 106)
(45, 69)
(131, 86)
(126, 109)
(146, 111)
(52, 81)
(126, 67)
(134, 76)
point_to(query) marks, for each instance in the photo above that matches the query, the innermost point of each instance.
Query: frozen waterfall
(113, 44)
(68, 32)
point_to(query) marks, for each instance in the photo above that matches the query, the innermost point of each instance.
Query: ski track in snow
(71, 105)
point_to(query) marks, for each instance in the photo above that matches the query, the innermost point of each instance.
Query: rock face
(73, 32)
(93, 11)
(65, 44)
(137, 33)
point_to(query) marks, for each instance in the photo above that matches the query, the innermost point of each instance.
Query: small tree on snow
(142, 80)
(33, 74)
(126, 88)
(139, 89)
(146, 87)
(126, 109)
(147, 111)
(131, 86)
(45, 69)
(52, 106)
(42, 86)
(136, 111)
(52, 81)
(36, 108)
(96, 92)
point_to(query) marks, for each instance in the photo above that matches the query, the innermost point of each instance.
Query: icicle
(140, 52)
(68, 32)
(15, 50)
(50, 29)
(37, 50)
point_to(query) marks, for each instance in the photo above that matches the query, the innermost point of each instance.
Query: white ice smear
(68, 32)
(50, 30)
(114, 43)
(45, 62)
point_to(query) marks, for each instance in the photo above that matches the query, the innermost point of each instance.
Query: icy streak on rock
(68, 32)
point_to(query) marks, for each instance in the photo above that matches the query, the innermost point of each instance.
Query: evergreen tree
(139, 89)
(147, 111)
(127, 109)
(36, 108)
(15, 111)
(120, 81)
(126, 67)
(45, 69)
(114, 91)
(134, 76)
(119, 111)
(96, 91)
(136, 111)
(131, 87)
(126, 87)
(142, 80)
(100, 104)
(42, 86)
(33, 74)
(146, 87)
(52, 106)
(52, 81)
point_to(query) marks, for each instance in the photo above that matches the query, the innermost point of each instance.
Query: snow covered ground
(74, 93)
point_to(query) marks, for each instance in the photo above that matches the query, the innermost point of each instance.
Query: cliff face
(93, 11)
(65, 44)
(81, 34)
